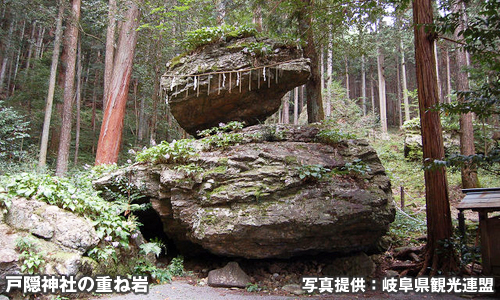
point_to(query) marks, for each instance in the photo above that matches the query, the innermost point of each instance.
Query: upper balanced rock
(242, 79)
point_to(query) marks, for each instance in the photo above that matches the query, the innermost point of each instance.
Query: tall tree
(110, 49)
(52, 85)
(381, 90)
(70, 44)
(220, 6)
(110, 137)
(6, 55)
(315, 111)
(406, 100)
(439, 227)
(469, 173)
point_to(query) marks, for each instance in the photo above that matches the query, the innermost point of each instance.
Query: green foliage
(208, 35)
(403, 225)
(32, 259)
(222, 136)
(346, 115)
(175, 268)
(178, 151)
(152, 247)
(271, 133)
(13, 130)
(108, 218)
(257, 49)
(146, 268)
(190, 169)
(253, 287)
(126, 192)
(412, 125)
(234, 126)
(357, 166)
(334, 136)
(312, 172)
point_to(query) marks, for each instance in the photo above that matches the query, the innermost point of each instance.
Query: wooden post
(402, 189)
(485, 242)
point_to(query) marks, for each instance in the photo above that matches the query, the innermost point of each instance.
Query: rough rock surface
(229, 276)
(249, 200)
(60, 236)
(204, 101)
(52, 224)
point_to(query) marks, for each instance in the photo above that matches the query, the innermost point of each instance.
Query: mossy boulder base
(249, 200)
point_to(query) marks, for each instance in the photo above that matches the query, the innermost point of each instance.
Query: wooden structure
(484, 201)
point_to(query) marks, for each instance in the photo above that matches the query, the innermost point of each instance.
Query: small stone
(293, 289)
(229, 276)
(391, 273)
(356, 265)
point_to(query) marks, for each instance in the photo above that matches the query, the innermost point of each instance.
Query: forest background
(64, 62)
(365, 51)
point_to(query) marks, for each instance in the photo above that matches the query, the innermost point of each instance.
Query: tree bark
(363, 84)
(315, 111)
(329, 73)
(439, 227)
(70, 44)
(39, 42)
(18, 57)
(347, 86)
(468, 172)
(110, 49)
(78, 97)
(405, 85)
(448, 76)
(398, 89)
(110, 138)
(381, 91)
(52, 85)
(220, 6)
(437, 72)
(286, 108)
(296, 106)
(5, 60)
(30, 48)
(257, 17)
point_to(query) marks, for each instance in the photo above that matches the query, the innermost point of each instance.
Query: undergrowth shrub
(222, 136)
(178, 151)
(208, 35)
(334, 136)
(113, 222)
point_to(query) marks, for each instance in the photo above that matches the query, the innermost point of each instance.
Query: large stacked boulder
(232, 81)
(256, 200)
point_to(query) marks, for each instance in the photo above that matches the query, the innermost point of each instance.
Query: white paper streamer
(172, 84)
(238, 79)
(223, 80)
(195, 85)
(264, 73)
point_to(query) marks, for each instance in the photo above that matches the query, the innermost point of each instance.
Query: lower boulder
(279, 192)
